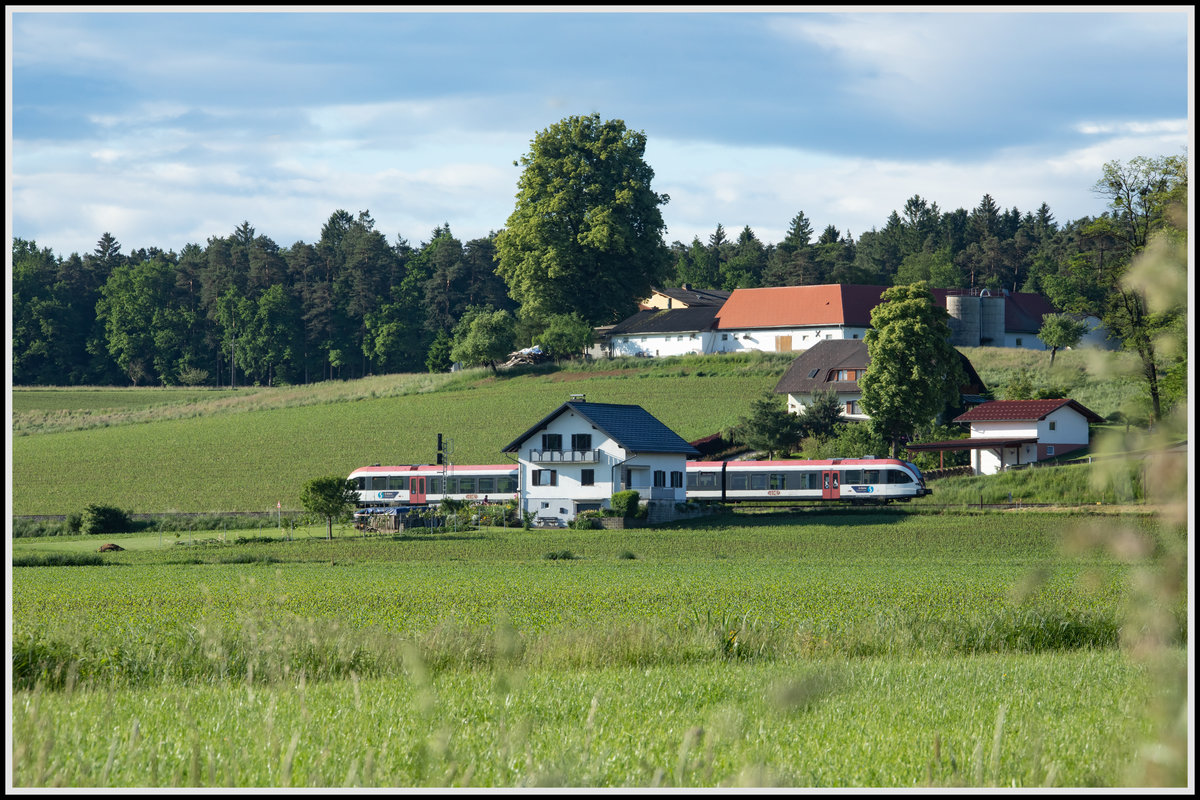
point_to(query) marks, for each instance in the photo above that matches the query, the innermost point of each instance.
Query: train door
(416, 491)
(830, 479)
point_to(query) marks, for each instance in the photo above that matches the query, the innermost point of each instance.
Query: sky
(165, 128)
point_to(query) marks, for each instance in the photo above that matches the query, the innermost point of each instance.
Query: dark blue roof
(632, 427)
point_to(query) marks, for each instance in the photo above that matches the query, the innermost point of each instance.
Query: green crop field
(808, 649)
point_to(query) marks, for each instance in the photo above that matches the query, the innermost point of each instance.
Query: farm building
(576, 457)
(1008, 434)
(684, 297)
(793, 318)
(837, 365)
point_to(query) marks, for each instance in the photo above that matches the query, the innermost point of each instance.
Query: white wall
(662, 344)
(796, 404)
(747, 340)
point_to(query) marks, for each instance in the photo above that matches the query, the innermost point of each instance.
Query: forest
(243, 310)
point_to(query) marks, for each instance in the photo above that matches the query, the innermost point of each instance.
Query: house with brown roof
(1008, 434)
(837, 365)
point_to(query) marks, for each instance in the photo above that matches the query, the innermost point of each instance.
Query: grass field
(162, 450)
(793, 650)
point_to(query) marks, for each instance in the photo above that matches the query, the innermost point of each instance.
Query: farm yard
(829, 648)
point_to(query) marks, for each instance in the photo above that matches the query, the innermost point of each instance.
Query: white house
(658, 333)
(837, 365)
(1014, 433)
(576, 457)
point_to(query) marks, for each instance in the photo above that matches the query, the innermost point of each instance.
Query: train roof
(824, 462)
(376, 468)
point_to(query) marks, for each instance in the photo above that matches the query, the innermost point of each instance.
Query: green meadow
(195, 450)
(806, 649)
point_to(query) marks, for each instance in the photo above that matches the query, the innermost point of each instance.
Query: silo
(964, 320)
(991, 327)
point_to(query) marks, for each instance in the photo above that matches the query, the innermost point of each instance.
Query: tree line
(583, 244)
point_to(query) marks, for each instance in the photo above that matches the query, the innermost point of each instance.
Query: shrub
(586, 520)
(560, 555)
(104, 519)
(59, 560)
(625, 504)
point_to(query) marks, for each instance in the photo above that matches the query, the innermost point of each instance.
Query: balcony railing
(569, 456)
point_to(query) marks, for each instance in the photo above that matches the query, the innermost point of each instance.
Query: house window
(587, 477)
(676, 479)
(545, 477)
(660, 478)
(724, 337)
(1052, 424)
(851, 407)
(1018, 341)
(812, 373)
(552, 441)
(1049, 449)
(581, 441)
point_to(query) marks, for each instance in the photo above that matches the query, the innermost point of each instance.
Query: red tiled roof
(793, 306)
(999, 410)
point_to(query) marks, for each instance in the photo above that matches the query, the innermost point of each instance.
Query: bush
(625, 504)
(104, 519)
(586, 520)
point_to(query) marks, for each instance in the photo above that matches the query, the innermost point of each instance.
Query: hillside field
(194, 450)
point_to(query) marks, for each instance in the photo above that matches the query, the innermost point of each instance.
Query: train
(852, 480)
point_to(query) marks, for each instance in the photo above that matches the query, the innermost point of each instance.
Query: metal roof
(676, 320)
(1012, 410)
(632, 427)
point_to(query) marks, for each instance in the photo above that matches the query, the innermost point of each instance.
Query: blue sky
(168, 128)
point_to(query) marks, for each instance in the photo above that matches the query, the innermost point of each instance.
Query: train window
(870, 476)
(737, 480)
(487, 485)
(451, 485)
(758, 480)
(435, 485)
(466, 486)
(360, 483)
(379, 483)
(693, 480)
(396, 482)
(898, 476)
(506, 485)
(778, 480)
(804, 480)
(853, 476)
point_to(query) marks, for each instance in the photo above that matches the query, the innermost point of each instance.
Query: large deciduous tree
(1147, 199)
(914, 370)
(586, 233)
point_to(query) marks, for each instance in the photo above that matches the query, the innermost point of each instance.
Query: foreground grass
(1073, 719)
(796, 650)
